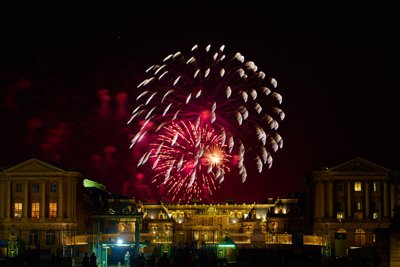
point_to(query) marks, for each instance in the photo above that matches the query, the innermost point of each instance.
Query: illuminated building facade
(47, 208)
(351, 201)
(42, 207)
(125, 225)
(246, 224)
(255, 225)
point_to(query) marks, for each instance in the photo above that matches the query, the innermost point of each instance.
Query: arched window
(359, 237)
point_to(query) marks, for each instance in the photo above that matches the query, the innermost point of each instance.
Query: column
(330, 200)
(43, 200)
(74, 199)
(322, 199)
(319, 200)
(392, 200)
(385, 199)
(26, 197)
(60, 200)
(69, 199)
(366, 197)
(349, 201)
(316, 200)
(2, 201)
(8, 200)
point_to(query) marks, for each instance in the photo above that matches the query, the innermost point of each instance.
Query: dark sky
(68, 77)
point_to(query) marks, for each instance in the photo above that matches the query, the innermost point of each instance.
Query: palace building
(351, 201)
(125, 225)
(50, 209)
(42, 207)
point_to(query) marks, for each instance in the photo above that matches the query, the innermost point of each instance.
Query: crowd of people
(89, 261)
(180, 257)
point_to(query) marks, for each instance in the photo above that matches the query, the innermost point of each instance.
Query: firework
(208, 91)
(197, 162)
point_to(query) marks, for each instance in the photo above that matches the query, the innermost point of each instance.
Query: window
(340, 215)
(17, 209)
(52, 209)
(339, 187)
(50, 237)
(53, 187)
(375, 187)
(35, 210)
(375, 207)
(340, 210)
(340, 206)
(357, 186)
(359, 237)
(358, 210)
(33, 237)
(35, 187)
(18, 187)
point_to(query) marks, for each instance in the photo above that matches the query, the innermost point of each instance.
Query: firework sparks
(187, 159)
(206, 89)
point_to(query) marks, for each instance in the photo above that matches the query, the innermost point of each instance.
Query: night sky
(68, 77)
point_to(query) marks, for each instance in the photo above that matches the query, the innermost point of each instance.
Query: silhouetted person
(93, 260)
(151, 262)
(203, 259)
(139, 261)
(85, 260)
(164, 261)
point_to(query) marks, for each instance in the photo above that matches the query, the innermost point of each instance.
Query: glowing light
(214, 156)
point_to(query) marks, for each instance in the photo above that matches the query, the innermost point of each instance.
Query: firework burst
(212, 92)
(197, 162)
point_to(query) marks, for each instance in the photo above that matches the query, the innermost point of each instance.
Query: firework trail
(207, 91)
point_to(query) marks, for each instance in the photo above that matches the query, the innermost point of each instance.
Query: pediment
(359, 165)
(33, 166)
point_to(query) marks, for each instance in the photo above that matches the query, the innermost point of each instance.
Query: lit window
(375, 187)
(359, 237)
(17, 210)
(53, 187)
(35, 187)
(52, 209)
(358, 214)
(18, 187)
(357, 186)
(35, 209)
